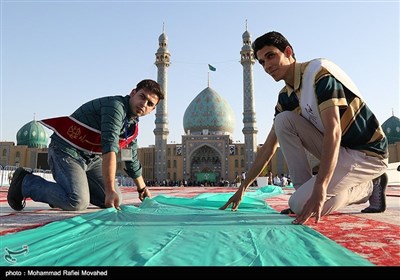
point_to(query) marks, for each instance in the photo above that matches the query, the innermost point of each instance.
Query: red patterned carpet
(377, 241)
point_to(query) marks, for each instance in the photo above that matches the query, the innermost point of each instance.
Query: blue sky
(56, 55)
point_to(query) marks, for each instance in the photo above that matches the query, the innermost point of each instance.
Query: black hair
(152, 86)
(272, 38)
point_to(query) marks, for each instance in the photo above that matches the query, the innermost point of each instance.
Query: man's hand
(234, 200)
(112, 200)
(143, 193)
(312, 208)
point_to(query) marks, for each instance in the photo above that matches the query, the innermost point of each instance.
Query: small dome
(163, 37)
(162, 42)
(391, 127)
(209, 111)
(246, 41)
(32, 135)
(246, 35)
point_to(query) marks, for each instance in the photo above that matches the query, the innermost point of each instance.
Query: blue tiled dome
(32, 135)
(209, 111)
(391, 127)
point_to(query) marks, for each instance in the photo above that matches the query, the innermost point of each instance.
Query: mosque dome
(32, 135)
(209, 111)
(391, 127)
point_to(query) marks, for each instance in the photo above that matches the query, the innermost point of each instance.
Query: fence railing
(7, 172)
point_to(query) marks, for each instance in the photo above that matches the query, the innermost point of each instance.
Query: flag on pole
(212, 68)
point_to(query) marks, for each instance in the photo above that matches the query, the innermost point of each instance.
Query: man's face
(143, 102)
(274, 62)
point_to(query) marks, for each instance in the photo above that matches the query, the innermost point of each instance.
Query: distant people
(320, 110)
(10, 176)
(270, 178)
(238, 180)
(284, 180)
(83, 153)
(289, 181)
(277, 180)
(243, 176)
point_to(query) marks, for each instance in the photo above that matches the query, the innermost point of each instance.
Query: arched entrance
(205, 165)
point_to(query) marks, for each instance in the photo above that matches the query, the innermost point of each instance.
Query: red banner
(82, 136)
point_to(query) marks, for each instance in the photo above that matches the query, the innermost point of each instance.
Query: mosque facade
(207, 152)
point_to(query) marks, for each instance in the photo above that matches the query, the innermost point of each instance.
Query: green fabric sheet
(178, 231)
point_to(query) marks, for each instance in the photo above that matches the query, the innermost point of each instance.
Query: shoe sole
(12, 190)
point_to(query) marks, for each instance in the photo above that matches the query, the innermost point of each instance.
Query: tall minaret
(249, 116)
(161, 131)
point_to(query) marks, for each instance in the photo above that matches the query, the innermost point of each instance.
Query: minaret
(161, 131)
(249, 116)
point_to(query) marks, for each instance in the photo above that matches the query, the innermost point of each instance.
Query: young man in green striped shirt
(320, 110)
(83, 153)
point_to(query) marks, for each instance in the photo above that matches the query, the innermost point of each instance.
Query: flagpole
(210, 68)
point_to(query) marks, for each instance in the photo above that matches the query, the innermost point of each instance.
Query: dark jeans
(77, 182)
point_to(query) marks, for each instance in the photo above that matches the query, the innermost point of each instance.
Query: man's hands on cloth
(112, 200)
(235, 200)
(143, 193)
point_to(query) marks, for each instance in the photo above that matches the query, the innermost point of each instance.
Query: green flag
(212, 68)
